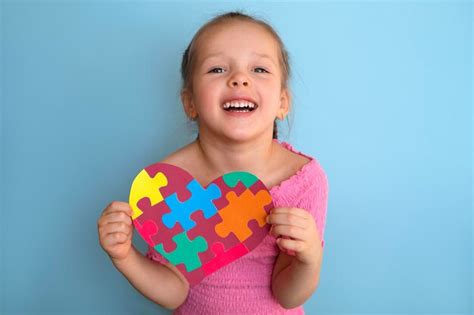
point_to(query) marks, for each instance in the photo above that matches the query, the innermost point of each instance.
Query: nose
(238, 79)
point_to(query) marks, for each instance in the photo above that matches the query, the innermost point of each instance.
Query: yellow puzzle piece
(145, 186)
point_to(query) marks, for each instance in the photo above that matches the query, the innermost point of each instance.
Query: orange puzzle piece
(241, 210)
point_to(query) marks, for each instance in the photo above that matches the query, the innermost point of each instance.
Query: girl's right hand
(116, 230)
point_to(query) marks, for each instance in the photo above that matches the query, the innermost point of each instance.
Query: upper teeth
(239, 104)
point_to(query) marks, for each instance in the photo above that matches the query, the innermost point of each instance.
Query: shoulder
(189, 159)
(182, 156)
(292, 158)
(304, 170)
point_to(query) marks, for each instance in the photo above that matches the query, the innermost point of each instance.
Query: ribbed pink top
(244, 286)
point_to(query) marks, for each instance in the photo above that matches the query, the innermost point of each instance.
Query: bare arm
(296, 277)
(294, 282)
(163, 284)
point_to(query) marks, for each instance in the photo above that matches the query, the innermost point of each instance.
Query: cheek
(200, 89)
(271, 86)
(273, 96)
(205, 97)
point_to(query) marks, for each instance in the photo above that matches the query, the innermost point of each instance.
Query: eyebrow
(212, 55)
(255, 54)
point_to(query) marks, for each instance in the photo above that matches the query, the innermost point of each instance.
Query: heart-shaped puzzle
(199, 229)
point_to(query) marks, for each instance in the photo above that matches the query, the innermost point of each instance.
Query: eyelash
(218, 68)
(264, 70)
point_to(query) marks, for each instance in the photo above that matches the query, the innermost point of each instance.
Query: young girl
(235, 85)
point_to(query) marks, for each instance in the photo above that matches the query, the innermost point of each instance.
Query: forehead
(237, 36)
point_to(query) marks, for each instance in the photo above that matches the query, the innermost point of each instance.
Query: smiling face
(236, 87)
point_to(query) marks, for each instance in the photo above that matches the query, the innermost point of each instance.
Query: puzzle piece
(201, 199)
(152, 214)
(240, 211)
(194, 276)
(143, 186)
(146, 230)
(222, 202)
(177, 179)
(205, 228)
(231, 179)
(258, 234)
(186, 251)
(223, 257)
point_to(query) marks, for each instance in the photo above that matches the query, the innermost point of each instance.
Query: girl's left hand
(300, 228)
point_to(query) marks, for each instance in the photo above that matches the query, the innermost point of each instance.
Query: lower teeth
(239, 110)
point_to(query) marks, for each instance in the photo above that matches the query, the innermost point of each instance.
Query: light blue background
(383, 96)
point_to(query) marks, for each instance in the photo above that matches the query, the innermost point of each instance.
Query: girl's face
(237, 82)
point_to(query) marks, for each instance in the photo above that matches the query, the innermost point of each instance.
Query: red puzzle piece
(223, 257)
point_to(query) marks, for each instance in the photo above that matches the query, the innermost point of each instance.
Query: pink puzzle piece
(146, 230)
(223, 257)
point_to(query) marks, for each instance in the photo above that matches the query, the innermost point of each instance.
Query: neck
(223, 156)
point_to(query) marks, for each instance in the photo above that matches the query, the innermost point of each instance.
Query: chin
(238, 134)
(242, 137)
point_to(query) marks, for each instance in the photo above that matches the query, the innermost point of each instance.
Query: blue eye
(216, 70)
(260, 70)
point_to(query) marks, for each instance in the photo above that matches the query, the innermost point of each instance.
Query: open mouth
(239, 107)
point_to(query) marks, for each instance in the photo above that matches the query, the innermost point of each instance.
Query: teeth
(239, 105)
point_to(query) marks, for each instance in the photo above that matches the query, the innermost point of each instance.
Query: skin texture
(234, 60)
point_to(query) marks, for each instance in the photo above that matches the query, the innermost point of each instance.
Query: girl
(235, 85)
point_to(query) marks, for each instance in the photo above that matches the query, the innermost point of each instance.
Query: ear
(285, 103)
(188, 104)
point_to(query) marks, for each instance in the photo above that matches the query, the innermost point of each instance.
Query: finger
(289, 231)
(115, 238)
(117, 216)
(288, 244)
(118, 206)
(288, 219)
(130, 235)
(295, 211)
(117, 227)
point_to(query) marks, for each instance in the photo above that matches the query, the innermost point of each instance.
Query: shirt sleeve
(153, 255)
(319, 196)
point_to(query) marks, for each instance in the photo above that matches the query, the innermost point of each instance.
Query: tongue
(242, 109)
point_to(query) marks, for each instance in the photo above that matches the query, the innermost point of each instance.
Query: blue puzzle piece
(201, 199)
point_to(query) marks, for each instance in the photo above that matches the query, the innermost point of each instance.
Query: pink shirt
(244, 286)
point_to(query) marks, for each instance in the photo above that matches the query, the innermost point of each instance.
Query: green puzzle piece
(186, 251)
(232, 179)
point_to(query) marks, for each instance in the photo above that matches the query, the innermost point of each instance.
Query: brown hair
(187, 63)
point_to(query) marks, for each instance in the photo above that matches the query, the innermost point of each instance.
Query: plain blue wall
(383, 96)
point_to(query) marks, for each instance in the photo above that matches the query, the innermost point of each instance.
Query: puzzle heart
(199, 229)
